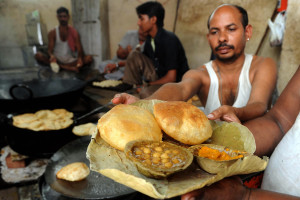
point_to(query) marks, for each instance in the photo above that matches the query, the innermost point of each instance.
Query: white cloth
(244, 87)
(32, 171)
(62, 51)
(283, 171)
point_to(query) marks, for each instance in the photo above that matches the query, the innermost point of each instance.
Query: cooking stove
(82, 106)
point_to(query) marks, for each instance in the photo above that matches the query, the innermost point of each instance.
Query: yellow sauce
(215, 154)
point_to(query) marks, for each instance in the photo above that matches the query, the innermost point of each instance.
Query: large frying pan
(41, 144)
(18, 95)
(95, 186)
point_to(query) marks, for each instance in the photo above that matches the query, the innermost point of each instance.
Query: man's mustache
(63, 22)
(224, 45)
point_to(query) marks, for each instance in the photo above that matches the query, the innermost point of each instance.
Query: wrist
(146, 84)
(247, 194)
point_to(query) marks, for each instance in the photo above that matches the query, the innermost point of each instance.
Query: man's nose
(139, 22)
(223, 36)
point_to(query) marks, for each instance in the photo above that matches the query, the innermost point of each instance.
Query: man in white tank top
(279, 128)
(234, 86)
(64, 46)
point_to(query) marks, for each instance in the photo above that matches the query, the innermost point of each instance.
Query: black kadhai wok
(94, 186)
(41, 144)
(39, 94)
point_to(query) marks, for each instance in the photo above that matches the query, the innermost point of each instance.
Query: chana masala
(161, 155)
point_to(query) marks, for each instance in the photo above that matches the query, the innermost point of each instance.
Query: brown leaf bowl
(158, 159)
(215, 164)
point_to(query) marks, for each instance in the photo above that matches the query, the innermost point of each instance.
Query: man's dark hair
(243, 12)
(62, 10)
(151, 9)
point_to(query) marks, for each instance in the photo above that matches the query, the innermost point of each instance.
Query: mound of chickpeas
(161, 155)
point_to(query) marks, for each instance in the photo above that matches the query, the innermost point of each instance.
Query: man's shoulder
(73, 30)
(259, 61)
(132, 32)
(199, 71)
(169, 38)
(52, 32)
(167, 33)
(263, 65)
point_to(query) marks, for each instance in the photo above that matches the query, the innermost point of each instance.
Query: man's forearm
(267, 134)
(251, 111)
(168, 78)
(169, 92)
(257, 194)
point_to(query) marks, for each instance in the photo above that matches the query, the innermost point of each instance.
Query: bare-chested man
(64, 46)
(234, 86)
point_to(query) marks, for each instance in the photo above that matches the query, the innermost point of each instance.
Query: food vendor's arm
(269, 129)
(51, 44)
(182, 91)
(233, 188)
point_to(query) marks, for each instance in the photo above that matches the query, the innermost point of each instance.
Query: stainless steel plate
(95, 186)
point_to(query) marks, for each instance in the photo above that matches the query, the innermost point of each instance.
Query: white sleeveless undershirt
(244, 87)
(283, 171)
(62, 51)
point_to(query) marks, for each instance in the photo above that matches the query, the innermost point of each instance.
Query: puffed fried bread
(183, 122)
(84, 129)
(124, 123)
(76, 171)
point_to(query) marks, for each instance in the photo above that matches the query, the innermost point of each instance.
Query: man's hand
(129, 49)
(224, 113)
(52, 58)
(124, 98)
(228, 188)
(109, 68)
(79, 63)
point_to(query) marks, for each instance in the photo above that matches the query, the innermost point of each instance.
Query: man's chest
(63, 34)
(226, 89)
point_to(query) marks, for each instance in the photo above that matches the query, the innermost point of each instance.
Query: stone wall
(290, 54)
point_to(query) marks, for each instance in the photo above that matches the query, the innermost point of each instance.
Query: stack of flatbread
(107, 83)
(44, 120)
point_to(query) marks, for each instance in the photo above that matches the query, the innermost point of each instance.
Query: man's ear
(153, 19)
(248, 31)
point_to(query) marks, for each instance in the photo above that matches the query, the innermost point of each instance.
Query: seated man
(163, 59)
(64, 46)
(132, 40)
(279, 128)
(233, 86)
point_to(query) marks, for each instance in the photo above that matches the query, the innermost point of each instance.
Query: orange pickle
(215, 154)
